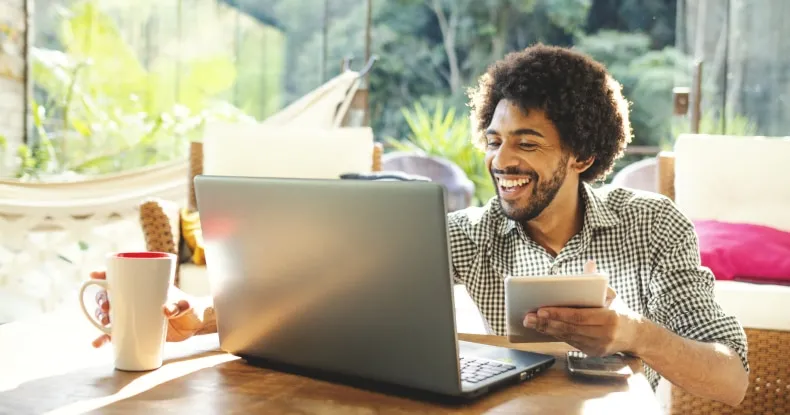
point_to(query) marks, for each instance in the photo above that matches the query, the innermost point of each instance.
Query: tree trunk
(498, 41)
(448, 29)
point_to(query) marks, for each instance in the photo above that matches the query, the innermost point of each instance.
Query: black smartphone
(613, 366)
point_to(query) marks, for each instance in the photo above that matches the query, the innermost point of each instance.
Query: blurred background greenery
(120, 85)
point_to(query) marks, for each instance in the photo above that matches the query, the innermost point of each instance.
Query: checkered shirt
(646, 246)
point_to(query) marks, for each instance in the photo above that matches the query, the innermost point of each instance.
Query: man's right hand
(183, 321)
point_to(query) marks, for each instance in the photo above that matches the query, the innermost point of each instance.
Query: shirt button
(555, 269)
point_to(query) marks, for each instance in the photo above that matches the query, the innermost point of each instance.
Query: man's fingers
(102, 312)
(593, 340)
(102, 317)
(611, 294)
(589, 267)
(170, 310)
(577, 316)
(101, 340)
(176, 309)
(102, 301)
(560, 329)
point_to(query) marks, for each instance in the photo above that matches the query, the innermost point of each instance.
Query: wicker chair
(460, 190)
(161, 222)
(769, 349)
(639, 175)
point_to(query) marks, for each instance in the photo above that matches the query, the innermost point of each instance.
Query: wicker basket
(666, 174)
(378, 151)
(769, 380)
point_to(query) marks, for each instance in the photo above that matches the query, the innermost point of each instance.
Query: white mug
(137, 285)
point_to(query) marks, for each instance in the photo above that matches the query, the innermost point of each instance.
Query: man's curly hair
(577, 94)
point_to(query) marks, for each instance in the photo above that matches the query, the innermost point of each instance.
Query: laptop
(347, 277)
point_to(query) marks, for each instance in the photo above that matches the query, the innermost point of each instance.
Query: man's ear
(581, 165)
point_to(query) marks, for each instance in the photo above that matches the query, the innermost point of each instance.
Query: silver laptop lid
(348, 276)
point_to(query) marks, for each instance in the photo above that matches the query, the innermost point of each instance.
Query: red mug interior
(142, 255)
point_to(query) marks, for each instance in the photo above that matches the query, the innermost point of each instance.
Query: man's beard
(543, 192)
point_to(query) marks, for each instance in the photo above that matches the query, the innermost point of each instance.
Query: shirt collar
(507, 225)
(597, 215)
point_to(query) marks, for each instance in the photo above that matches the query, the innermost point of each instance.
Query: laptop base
(527, 366)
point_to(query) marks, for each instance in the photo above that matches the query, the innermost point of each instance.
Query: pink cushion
(738, 251)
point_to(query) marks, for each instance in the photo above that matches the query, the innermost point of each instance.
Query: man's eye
(492, 144)
(528, 146)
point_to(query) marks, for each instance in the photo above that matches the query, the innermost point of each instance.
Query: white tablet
(527, 294)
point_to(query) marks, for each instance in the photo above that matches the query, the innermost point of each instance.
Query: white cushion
(738, 179)
(733, 179)
(193, 280)
(757, 306)
(256, 150)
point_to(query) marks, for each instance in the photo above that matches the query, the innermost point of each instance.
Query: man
(551, 122)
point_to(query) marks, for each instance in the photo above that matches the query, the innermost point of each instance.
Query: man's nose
(505, 158)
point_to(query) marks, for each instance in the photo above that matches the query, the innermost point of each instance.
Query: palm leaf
(441, 133)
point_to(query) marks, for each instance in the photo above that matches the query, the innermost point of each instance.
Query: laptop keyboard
(474, 370)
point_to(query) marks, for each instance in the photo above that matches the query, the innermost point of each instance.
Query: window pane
(745, 47)
(121, 84)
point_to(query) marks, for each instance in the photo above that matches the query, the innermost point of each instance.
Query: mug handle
(89, 316)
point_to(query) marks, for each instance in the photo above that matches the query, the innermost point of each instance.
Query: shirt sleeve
(682, 290)
(462, 247)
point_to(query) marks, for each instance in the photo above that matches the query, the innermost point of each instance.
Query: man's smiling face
(526, 160)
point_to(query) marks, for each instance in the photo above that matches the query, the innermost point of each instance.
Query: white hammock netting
(325, 107)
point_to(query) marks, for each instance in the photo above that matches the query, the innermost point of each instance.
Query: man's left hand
(594, 331)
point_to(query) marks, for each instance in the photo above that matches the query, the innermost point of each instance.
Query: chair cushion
(746, 252)
(193, 235)
(755, 306)
(257, 150)
(194, 280)
(733, 179)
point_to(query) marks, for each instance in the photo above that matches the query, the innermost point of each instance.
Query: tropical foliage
(443, 134)
(97, 108)
(109, 98)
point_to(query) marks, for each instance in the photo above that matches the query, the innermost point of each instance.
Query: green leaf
(440, 133)
(81, 127)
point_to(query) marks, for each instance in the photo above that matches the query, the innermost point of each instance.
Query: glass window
(121, 85)
(744, 47)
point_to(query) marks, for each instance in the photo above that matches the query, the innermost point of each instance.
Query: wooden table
(48, 366)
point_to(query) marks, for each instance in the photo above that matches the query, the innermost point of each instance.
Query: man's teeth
(513, 183)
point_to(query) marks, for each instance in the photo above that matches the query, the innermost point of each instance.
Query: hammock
(84, 196)
(324, 107)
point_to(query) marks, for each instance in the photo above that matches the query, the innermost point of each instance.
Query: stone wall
(13, 34)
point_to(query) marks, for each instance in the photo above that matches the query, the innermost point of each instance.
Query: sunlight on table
(146, 382)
